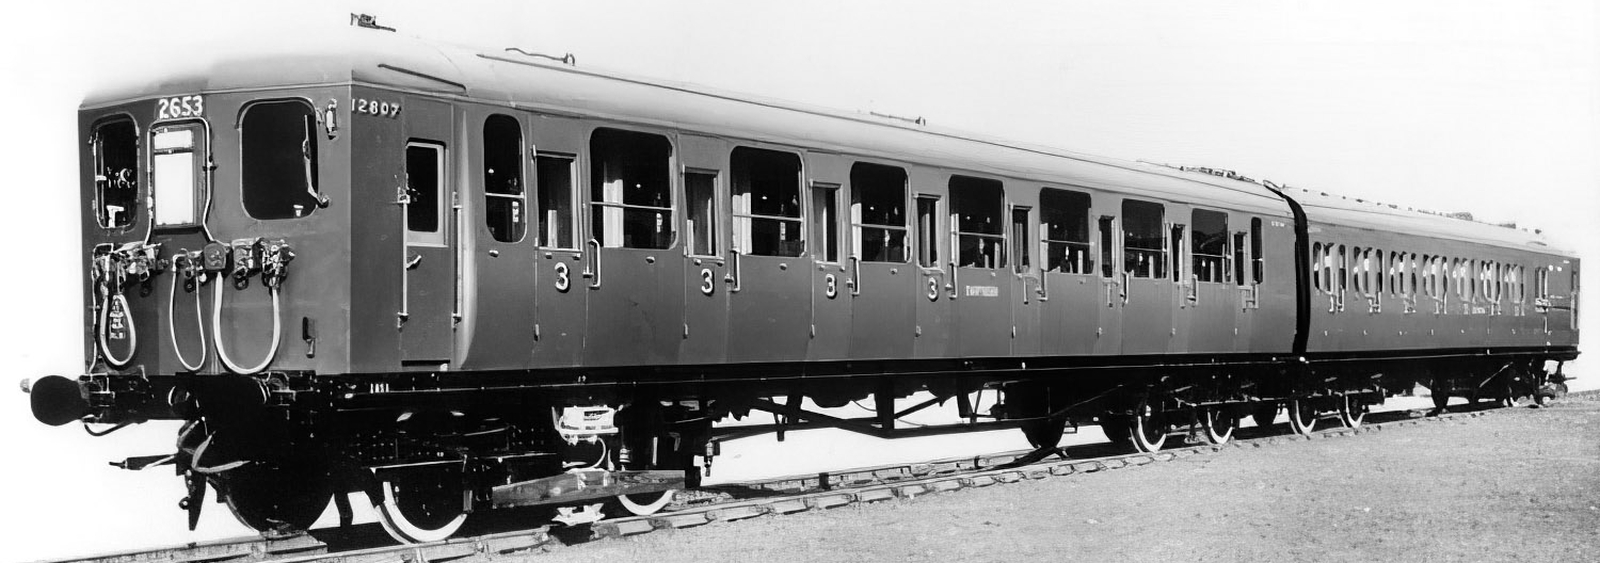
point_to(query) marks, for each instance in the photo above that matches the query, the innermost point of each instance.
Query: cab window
(116, 173)
(177, 165)
(278, 165)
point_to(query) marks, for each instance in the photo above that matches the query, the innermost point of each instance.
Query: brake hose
(199, 320)
(216, 331)
(133, 333)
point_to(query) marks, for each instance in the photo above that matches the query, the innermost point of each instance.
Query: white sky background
(1488, 107)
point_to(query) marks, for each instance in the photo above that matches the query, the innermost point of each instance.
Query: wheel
(1218, 425)
(649, 446)
(1044, 433)
(274, 497)
(420, 506)
(1264, 414)
(1149, 431)
(1117, 429)
(1351, 412)
(1441, 399)
(1302, 417)
(645, 504)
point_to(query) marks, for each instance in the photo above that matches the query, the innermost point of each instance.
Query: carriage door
(560, 292)
(978, 231)
(1212, 300)
(769, 313)
(635, 274)
(1071, 287)
(707, 280)
(428, 298)
(1147, 305)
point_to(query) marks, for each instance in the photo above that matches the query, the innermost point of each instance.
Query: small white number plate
(179, 107)
(377, 108)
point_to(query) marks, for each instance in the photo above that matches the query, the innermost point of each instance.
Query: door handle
(593, 270)
(855, 276)
(736, 272)
(1123, 287)
(412, 261)
(1194, 289)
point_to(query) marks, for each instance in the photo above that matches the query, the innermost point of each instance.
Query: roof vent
(368, 21)
(568, 59)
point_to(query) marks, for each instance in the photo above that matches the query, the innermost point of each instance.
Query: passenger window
(1143, 242)
(502, 178)
(1021, 257)
(700, 191)
(1344, 270)
(978, 206)
(825, 222)
(1375, 271)
(1319, 264)
(424, 177)
(928, 231)
(116, 173)
(1240, 259)
(1107, 246)
(1176, 256)
(177, 163)
(766, 203)
(1210, 247)
(558, 227)
(631, 189)
(278, 169)
(1258, 260)
(1064, 224)
(878, 212)
(1411, 274)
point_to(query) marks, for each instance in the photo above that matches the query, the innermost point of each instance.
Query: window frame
(858, 224)
(743, 222)
(925, 240)
(519, 200)
(1157, 269)
(199, 187)
(1085, 249)
(315, 140)
(438, 236)
(574, 203)
(691, 238)
(596, 170)
(1221, 273)
(824, 244)
(96, 144)
(1001, 254)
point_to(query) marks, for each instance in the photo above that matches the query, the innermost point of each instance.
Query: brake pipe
(199, 316)
(108, 300)
(216, 331)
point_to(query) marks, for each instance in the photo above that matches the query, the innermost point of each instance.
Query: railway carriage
(461, 280)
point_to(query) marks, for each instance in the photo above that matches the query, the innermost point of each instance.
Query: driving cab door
(428, 296)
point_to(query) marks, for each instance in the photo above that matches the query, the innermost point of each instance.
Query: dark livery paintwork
(439, 360)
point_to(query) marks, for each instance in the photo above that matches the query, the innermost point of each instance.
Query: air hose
(216, 331)
(199, 316)
(108, 300)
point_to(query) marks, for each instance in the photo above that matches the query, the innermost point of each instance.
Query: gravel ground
(1516, 485)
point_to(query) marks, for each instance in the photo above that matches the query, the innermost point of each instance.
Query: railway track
(738, 501)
